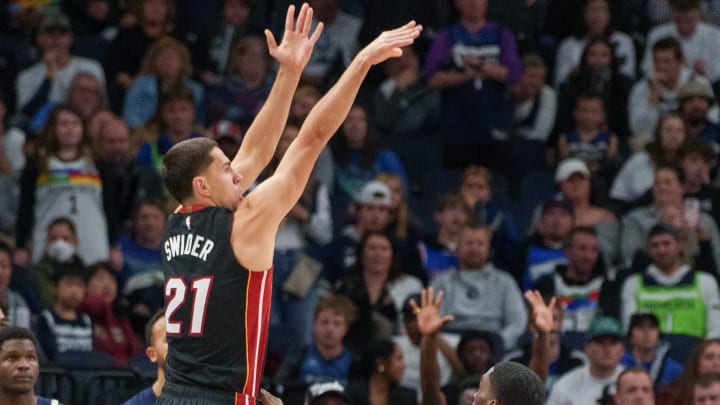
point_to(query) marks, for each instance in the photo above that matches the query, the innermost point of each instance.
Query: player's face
(485, 392)
(159, 343)
(19, 366)
(223, 181)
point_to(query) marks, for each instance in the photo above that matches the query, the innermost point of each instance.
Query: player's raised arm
(293, 54)
(264, 208)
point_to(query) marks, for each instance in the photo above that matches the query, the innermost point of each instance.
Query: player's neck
(159, 383)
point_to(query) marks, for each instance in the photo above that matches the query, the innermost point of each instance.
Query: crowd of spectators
(564, 146)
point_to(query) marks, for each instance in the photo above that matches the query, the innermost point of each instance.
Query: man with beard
(19, 368)
(576, 284)
(694, 100)
(479, 295)
(156, 351)
(124, 181)
(684, 300)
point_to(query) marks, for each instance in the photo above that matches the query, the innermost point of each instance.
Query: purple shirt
(439, 56)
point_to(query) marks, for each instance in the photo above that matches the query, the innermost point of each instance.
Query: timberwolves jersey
(216, 310)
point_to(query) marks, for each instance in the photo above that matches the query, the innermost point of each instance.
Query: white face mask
(60, 250)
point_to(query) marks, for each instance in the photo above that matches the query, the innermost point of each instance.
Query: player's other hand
(389, 43)
(297, 42)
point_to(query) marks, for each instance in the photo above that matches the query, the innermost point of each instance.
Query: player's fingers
(308, 21)
(318, 31)
(302, 17)
(270, 38)
(290, 18)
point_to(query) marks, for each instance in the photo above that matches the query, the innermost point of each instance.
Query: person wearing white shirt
(699, 40)
(534, 103)
(49, 79)
(656, 95)
(584, 385)
(596, 19)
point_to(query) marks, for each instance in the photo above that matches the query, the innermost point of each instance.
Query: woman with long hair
(376, 376)
(61, 180)
(377, 288)
(705, 358)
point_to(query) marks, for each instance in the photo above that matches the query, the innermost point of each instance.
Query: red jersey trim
(184, 209)
(258, 294)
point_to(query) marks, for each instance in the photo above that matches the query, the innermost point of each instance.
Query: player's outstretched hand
(542, 314)
(428, 313)
(297, 42)
(389, 43)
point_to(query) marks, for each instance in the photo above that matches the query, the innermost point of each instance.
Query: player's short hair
(513, 383)
(16, 333)
(149, 326)
(183, 162)
(64, 221)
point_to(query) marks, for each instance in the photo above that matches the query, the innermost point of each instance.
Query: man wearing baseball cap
(585, 384)
(372, 213)
(327, 393)
(49, 79)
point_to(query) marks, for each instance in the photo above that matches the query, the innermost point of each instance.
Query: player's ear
(152, 355)
(200, 186)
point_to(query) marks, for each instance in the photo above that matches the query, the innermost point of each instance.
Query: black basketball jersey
(216, 311)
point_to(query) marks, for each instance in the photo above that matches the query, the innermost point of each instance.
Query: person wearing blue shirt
(647, 351)
(157, 352)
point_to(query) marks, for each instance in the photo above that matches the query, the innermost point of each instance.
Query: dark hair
(63, 221)
(150, 324)
(655, 148)
(533, 60)
(672, 168)
(49, 144)
(158, 203)
(585, 230)
(69, 269)
(592, 41)
(514, 384)
(376, 351)
(669, 44)
(684, 5)
(475, 334)
(183, 162)
(338, 304)
(707, 379)
(695, 145)
(451, 200)
(16, 333)
(4, 247)
(341, 149)
(583, 29)
(394, 271)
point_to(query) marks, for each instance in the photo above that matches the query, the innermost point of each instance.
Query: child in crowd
(112, 332)
(64, 328)
(589, 140)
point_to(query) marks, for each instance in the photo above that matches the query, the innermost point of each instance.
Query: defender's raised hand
(428, 314)
(387, 45)
(297, 42)
(542, 314)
